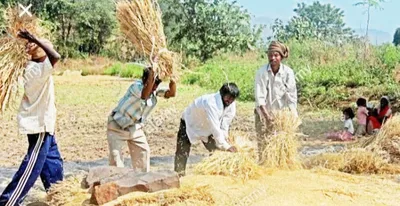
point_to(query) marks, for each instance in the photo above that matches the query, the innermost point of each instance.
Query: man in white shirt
(126, 121)
(275, 89)
(207, 119)
(37, 118)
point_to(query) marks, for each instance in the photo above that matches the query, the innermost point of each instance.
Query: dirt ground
(83, 104)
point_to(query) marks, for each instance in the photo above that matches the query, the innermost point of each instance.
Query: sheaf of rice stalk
(354, 161)
(141, 23)
(13, 57)
(68, 193)
(281, 144)
(387, 139)
(187, 195)
(240, 165)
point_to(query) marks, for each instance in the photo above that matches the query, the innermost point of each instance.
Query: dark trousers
(183, 148)
(43, 159)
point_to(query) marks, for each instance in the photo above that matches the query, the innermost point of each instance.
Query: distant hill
(376, 37)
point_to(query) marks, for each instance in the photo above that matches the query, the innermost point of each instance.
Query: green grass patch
(126, 70)
(326, 75)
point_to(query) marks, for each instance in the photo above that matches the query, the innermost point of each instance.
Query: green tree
(369, 4)
(77, 25)
(315, 21)
(202, 28)
(81, 25)
(396, 38)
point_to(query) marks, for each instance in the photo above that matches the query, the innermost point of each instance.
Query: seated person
(379, 116)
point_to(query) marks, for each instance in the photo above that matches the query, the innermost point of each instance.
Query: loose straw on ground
(68, 193)
(188, 195)
(281, 144)
(13, 57)
(354, 161)
(387, 139)
(240, 165)
(141, 23)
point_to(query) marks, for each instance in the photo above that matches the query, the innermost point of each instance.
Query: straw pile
(281, 145)
(141, 23)
(354, 161)
(388, 139)
(240, 165)
(12, 54)
(68, 193)
(189, 195)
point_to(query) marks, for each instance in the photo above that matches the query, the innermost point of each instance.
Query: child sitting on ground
(362, 115)
(348, 132)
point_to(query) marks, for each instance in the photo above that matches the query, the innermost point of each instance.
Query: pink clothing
(362, 114)
(337, 136)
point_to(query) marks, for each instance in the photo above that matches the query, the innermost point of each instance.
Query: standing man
(125, 123)
(206, 119)
(275, 89)
(37, 118)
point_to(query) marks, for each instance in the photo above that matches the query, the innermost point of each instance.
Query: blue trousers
(43, 159)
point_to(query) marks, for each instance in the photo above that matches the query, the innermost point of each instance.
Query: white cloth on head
(207, 116)
(37, 112)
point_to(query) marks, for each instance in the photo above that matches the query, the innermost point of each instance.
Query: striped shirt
(132, 109)
(37, 112)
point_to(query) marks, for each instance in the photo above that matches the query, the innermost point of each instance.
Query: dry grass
(13, 57)
(281, 150)
(188, 195)
(241, 165)
(353, 161)
(68, 193)
(388, 139)
(141, 23)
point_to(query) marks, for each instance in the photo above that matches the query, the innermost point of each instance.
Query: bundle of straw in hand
(281, 145)
(241, 165)
(13, 57)
(141, 23)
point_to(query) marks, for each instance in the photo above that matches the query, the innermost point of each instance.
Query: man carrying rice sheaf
(207, 119)
(37, 118)
(126, 121)
(275, 89)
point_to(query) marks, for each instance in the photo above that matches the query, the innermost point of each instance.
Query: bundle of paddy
(387, 139)
(354, 161)
(188, 195)
(281, 144)
(13, 57)
(141, 23)
(241, 165)
(68, 193)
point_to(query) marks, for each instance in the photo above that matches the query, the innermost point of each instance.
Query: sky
(387, 20)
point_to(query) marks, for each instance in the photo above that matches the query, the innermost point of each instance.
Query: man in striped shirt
(36, 119)
(125, 123)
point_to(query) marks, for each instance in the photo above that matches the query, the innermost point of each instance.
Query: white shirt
(37, 112)
(348, 124)
(206, 116)
(278, 91)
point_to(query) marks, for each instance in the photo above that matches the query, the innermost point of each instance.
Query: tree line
(197, 28)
